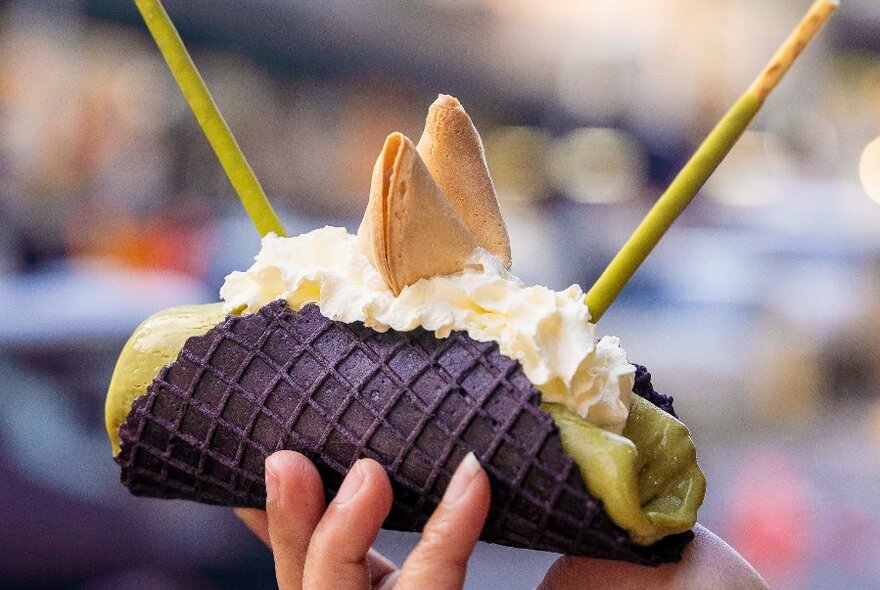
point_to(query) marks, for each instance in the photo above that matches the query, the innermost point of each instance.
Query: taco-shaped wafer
(280, 379)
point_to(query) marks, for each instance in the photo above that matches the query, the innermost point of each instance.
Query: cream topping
(547, 331)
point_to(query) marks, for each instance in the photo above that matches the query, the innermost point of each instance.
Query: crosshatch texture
(280, 379)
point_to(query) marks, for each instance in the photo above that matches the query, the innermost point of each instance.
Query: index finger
(294, 503)
(440, 559)
(338, 555)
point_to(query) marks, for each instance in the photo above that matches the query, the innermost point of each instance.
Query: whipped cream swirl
(547, 331)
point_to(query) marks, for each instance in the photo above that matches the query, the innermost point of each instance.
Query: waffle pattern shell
(280, 379)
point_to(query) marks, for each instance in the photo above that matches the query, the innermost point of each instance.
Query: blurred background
(760, 311)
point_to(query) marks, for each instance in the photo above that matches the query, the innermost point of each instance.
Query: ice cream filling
(647, 478)
(156, 342)
(547, 331)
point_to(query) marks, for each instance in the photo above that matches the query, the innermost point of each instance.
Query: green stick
(213, 125)
(703, 163)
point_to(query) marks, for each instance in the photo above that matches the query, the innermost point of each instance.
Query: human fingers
(337, 554)
(707, 562)
(294, 504)
(383, 572)
(440, 558)
(255, 520)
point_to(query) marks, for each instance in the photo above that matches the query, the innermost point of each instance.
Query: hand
(318, 548)
(708, 562)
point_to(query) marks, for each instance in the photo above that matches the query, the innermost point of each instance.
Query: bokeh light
(517, 158)
(752, 173)
(869, 170)
(597, 165)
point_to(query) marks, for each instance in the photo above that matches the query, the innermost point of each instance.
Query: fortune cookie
(453, 152)
(410, 230)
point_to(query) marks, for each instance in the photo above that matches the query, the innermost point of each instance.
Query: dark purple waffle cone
(417, 404)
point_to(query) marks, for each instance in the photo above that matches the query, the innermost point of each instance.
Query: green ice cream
(648, 478)
(154, 344)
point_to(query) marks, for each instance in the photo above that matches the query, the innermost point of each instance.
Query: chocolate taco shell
(280, 379)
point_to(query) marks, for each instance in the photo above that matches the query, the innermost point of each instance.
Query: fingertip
(482, 488)
(289, 473)
(378, 479)
(470, 483)
(372, 468)
(440, 558)
(294, 504)
(294, 489)
(289, 464)
(365, 487)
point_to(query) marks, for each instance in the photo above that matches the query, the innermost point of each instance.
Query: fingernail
(272, 469)
(462, 478)
(351, 484)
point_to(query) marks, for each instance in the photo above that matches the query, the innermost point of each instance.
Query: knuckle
(437, 533)
(430, 571)
(442, 544)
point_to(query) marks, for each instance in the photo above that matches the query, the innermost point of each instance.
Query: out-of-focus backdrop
(760, 311)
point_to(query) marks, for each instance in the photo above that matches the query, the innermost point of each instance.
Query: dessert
(412, 344)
